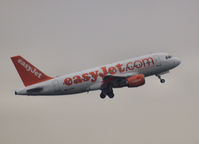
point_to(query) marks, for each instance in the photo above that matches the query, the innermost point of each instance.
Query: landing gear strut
(161, 80)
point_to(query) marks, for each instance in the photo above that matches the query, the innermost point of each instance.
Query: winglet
(29, 74)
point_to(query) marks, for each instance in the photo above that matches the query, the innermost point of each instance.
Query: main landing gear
(102, 95)
(107, 91)
(161, 80)
(110, 95)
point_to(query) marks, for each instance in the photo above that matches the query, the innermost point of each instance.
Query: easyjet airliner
(129, 73)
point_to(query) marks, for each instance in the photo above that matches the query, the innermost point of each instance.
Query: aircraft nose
(177, 61)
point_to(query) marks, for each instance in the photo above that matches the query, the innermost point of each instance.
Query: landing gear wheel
(102, 95)
(111, 95)
(162, 80)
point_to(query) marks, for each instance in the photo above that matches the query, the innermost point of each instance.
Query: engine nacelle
(136, 81)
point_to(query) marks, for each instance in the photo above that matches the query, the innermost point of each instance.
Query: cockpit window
(168, 57)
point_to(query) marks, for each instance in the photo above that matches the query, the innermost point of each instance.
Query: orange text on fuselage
(103, 71)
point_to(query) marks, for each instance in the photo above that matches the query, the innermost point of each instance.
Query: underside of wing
(116, 81)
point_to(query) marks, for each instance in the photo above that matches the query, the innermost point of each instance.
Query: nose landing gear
(161, 80)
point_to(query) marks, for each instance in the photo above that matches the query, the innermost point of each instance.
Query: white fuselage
(92, 79)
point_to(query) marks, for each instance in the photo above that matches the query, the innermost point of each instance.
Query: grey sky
(66, 36)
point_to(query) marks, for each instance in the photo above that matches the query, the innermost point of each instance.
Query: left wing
(116, 81)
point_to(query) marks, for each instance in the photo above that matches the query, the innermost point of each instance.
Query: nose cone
(177, 61)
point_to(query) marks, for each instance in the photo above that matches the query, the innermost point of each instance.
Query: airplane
(127, 73)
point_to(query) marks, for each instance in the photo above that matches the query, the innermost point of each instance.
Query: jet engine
(136, 81)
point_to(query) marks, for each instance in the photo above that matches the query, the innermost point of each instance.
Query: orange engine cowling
(136, 81)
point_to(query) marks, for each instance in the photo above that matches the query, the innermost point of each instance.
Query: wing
(116, 81)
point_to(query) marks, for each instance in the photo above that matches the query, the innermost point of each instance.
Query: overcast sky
(67, 36)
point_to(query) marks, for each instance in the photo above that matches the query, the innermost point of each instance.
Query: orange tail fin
(28, 73)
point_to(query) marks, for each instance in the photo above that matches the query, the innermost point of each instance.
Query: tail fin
(28, 73)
